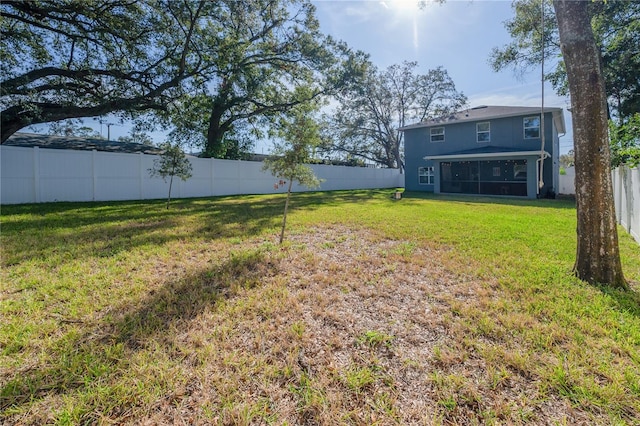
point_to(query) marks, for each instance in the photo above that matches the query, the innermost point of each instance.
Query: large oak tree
(66, 59)
(371, 111)
(267, 51)
(212, 70)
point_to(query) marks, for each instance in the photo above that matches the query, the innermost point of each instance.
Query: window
(437, 134)
(483, 132)
(425, 175)
(531, 127)
(520, 171)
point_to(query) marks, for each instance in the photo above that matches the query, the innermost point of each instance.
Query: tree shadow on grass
(559, 203)
(98, 354)
(80, 230)
(105, 231)
(624, 301)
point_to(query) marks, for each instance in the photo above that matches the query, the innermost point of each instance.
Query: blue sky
(457, 35)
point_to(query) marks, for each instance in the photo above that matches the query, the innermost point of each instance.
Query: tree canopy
(616, 27)
(73, 128)
(297, 136)
(371, 111)
(66, 59)
(625, 142)
(172, 162)
(268, 50)
(212, 71)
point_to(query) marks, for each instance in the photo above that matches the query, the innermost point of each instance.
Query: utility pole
(103, 121)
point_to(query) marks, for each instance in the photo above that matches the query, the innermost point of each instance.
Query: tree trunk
(397, 156)
(217, 127)
(215, 132)
(286, 207)
(169, 196)
(597, 257)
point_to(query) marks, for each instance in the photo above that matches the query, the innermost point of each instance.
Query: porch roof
(487, 152)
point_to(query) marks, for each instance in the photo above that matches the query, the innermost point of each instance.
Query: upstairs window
(425, 175)
(483, 132)
(531, 127)
(437, 134)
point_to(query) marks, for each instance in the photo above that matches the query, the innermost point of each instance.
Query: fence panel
(626, 196)
(567, 185)
(118, 176)
(31, 175)
(626, 191)
(18, 182)
(65, 176)
(153, 187)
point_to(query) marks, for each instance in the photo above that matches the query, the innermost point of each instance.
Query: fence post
(620, 188)
(623, 181)
(213, 177)
(36, 174)
(141, 175)
(94, 176)
(635, 203)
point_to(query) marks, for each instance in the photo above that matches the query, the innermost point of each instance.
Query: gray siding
(507, 133)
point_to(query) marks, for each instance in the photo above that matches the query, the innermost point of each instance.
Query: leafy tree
(625, 142)
(371, 111)
(267, 50)
(298, 134)
(172, 162)
(597, 256)
(137, 136)
(568, 159)
(616, 27)
(219, 72)
(72, 128)
(66, 59)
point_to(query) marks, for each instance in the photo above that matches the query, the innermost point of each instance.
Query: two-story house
(487, 150)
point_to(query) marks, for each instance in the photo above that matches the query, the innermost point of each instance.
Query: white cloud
(519, 95)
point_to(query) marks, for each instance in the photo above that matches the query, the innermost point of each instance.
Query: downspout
(540, 161)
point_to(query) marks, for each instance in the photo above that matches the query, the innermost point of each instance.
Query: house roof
(30, 140)
(490, 112)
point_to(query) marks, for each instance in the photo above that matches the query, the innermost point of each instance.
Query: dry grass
(344, 324)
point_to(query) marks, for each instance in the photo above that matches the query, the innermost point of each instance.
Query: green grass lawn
(425, 310)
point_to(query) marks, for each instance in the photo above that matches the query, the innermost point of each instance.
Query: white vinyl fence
(626, 192)
(567, 184)
(34, 175)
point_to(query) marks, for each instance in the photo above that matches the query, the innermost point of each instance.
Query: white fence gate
(626, 193)
(34, 175)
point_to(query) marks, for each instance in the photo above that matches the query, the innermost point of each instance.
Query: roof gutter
(486, 155)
